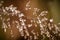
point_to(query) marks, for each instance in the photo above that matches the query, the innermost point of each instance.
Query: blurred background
(52, 6)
